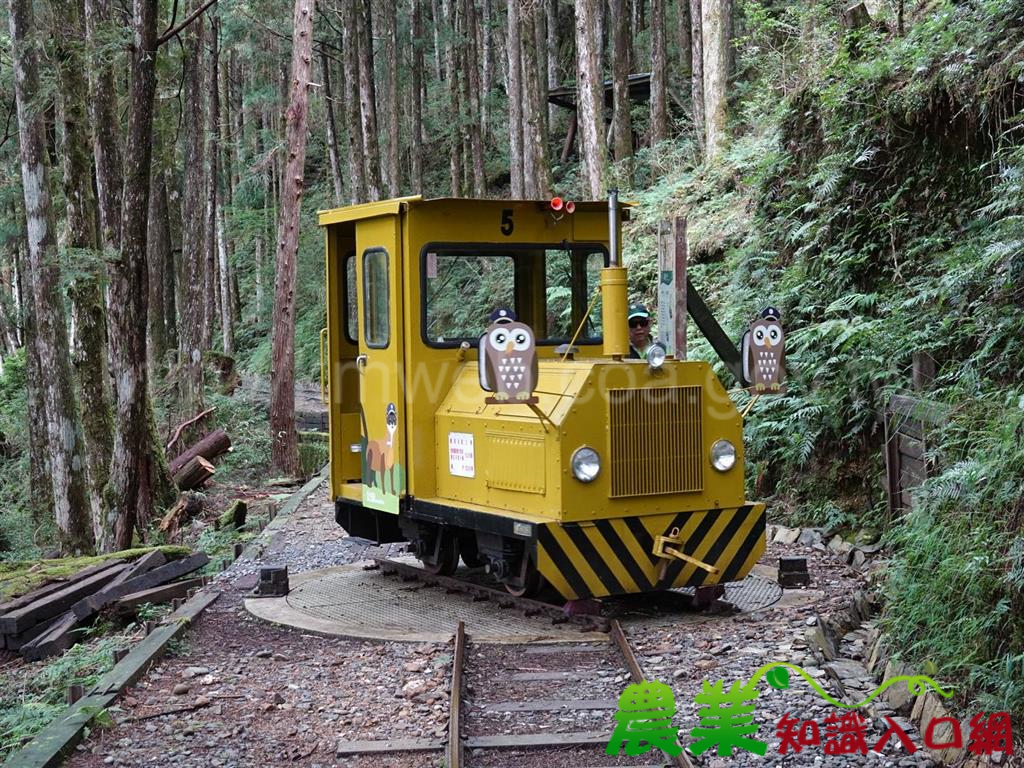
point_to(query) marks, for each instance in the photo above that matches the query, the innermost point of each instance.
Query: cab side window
(376, 298)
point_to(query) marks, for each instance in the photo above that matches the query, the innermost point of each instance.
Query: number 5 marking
(506, 221)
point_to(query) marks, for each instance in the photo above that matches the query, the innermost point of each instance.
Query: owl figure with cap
(508, 359)
(764, 354)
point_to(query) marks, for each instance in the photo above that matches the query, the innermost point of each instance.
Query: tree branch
(188, 20)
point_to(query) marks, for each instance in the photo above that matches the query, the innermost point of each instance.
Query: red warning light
(570, 207)
(556, 203)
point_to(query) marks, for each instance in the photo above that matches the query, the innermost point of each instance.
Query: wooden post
(682, 255)
(672, 287)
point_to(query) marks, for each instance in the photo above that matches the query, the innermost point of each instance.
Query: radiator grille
(655, 441)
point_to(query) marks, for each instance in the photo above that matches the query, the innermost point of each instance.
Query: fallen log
(19, 620)
(196, 472)
(94, 602)
(209, 447)
(161, 594)
(188, 506)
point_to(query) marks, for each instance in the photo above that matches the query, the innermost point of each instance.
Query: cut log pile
(193, 467)
(47, 620)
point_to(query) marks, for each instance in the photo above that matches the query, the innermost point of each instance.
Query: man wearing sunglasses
(640, 338)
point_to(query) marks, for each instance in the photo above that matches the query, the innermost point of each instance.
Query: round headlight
(585, 464)
(656, 356)
(723, 455)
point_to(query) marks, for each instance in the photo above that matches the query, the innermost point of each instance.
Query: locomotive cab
(590, 472)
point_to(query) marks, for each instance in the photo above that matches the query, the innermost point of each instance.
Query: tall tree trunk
(65, 444)
(435, 23)
(368, 100)
(659, 112)
(212, 292)
(416, 100)
(455, 148)
(697, 72)
(486, 66)
(621, 126)
(89, 344)
(394, 122)
(106, 124)
(470, 81)
(551, 26)
(332, 129)
(514, 89)
(683, 40)
(158, 247)
(537, 176)
(590, 97)
(284, 446)
(227, 310)
(40, 484)
(350, 98)
(138, 476)
(715, 22)
(191, 279)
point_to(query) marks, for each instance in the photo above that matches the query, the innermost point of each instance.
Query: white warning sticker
(460, 454)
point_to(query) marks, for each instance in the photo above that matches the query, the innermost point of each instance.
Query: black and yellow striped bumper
(613, 557)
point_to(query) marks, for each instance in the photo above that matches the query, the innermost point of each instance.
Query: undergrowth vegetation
(873, 192)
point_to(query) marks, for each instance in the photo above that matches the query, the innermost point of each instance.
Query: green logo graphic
(644, 720)
(727, 719)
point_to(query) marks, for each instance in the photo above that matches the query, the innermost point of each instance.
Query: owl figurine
(508, 360)
(764, 355)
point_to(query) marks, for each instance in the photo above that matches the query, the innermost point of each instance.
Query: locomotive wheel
(528, 585)
(470, 552)
(446, 560)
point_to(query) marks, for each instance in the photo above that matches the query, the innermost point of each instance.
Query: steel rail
(455, 746)
(615, 630)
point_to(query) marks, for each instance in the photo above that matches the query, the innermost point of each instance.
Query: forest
(858, 165)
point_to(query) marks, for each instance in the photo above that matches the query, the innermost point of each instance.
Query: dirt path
(254, 694)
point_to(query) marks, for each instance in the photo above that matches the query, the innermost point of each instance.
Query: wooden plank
(47, 748)
(146, 563)
(159, 594)
(52, 605)
(538, 740)
(92, 603)
(14, 642)
(383, 747)
(134, 665)
(527, 677)
(911, 447)
(55, 586)
(549, 649)
(912, 472)
(551, 705)
(57, 639)
(455, 706)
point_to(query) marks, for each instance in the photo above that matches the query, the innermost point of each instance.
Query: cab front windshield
(549, 287)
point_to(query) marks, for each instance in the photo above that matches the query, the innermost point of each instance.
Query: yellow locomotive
(600, 475)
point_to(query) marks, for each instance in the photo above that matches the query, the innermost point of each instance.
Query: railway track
(540, 687)
(513, 704)
(582, 613)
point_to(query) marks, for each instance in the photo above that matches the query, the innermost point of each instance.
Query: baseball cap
(638, 310)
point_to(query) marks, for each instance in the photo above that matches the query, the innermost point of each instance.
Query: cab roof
(396, 205)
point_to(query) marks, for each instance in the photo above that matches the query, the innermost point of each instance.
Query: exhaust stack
(614, 300)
